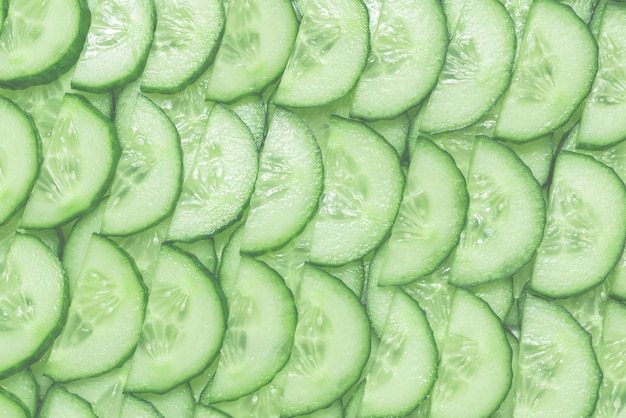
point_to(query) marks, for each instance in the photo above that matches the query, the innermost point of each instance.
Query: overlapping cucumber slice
(553, 73)
(221, 179)
(25, 388)
(260, 333)
(600, 125)
(431, 216)
(33, 49)
(406, 55)
(362, 190)
(79, 160)
(117, 45)
(477, 69)
(288, 186)
(147, 180)
(329, 54)
(185, 319)
(585, 230)
(331, 346)
(405, 362)
(258, 38)
(10, 406)
(20, 157)
(184, 39)
(556, 362)
(106, 314)
(60, 402)
(475, 355)
(33, 300)
(505, 219)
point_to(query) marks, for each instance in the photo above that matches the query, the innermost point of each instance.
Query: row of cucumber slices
(321, 208)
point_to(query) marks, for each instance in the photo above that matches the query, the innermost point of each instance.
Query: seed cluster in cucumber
(312, 208)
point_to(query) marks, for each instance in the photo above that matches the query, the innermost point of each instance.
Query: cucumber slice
(505, 410)
(407, 53)
(431, 216)
(475, 369)
(333, 411)
(32, 48)
(10, 406)
(117, 45)
(505, 219)
(288, 186)
(203, 250)
(59, 402)
(177, 403)
(4, 6)
(133, 407)
(24, 386)
(558, 371)
(79, 161)
(105, 393)
(106, 313)
(148, 178)
(538, 155)
(478, 68)
(20, 158)
(254, 50)
(33, 303)
(601, 124)
(332, 344)
(252, 111)
(611, 358)
(553, 73)
(221, 180)
(263, 403)
(189, 112)
(202, 411)
(183, 329)
(351, 274)
(586, 228)
(395, 131)
(75, 248)
(498, 295)
(185, 36)
(362, 192)
(405, 364)
(618, 279)
(329, 54)
(258, 341)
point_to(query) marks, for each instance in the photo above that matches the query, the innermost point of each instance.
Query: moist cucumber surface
(312, 208)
